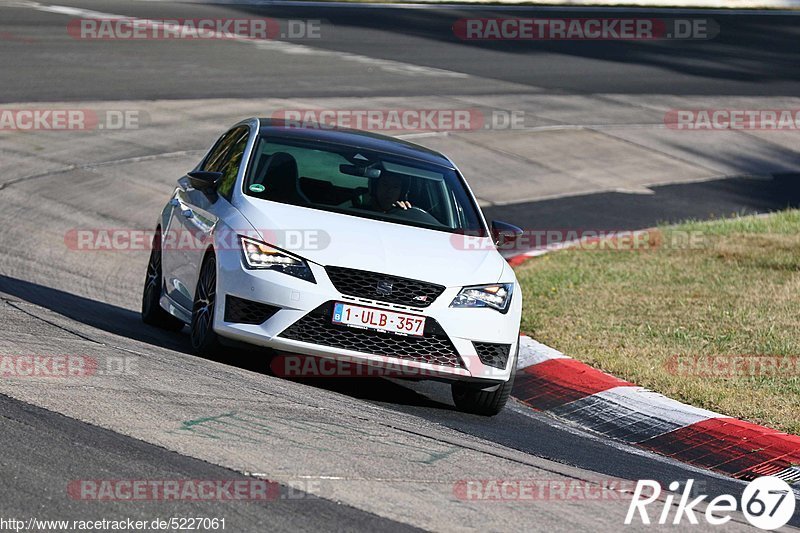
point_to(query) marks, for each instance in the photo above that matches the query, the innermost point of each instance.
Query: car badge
(384, 288)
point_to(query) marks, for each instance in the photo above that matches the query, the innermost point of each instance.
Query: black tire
(152, 312)
(488, 401)
(204, 339)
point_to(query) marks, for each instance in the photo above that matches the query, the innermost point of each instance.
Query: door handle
(187, 213)
(174, 202)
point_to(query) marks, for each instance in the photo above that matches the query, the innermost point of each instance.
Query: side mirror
(504, 233)
(204, 181)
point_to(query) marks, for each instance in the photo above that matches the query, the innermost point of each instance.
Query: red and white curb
(612, 236)
(547, 380)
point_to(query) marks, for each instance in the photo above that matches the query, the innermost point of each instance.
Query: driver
(386, 192)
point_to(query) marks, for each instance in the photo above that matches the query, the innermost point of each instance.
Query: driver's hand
(402, 204)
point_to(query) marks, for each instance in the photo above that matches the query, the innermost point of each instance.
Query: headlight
(496, 296)
(260, 256)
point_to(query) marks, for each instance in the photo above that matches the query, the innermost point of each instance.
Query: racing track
(381, 454)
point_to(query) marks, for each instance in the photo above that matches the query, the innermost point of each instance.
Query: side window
(234, 160)
(226, 157)
(216, 158)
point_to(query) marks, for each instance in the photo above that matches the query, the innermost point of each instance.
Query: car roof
(356, 139)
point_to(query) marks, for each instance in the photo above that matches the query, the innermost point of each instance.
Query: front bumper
(302, 303)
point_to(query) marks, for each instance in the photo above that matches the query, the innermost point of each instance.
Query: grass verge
(707, 313)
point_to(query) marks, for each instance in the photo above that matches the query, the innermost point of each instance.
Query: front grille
(433, 347)
(247, 312)
(383, 287)
(491, 354)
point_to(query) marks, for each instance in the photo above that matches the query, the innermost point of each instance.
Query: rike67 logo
(767, 503)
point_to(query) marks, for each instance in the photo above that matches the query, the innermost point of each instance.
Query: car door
(199, 213)
(177, 239)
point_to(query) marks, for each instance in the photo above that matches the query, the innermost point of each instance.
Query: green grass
(735, 292)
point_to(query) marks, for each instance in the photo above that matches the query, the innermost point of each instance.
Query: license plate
(378, 319)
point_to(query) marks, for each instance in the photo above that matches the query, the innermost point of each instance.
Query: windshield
(361, 183)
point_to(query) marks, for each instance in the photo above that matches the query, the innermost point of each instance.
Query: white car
(339, 244)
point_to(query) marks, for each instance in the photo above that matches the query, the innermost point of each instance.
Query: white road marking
(387, 65)
(671, 7)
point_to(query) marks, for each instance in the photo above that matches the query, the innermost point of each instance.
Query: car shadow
(375, 389)
(100, 315)
(668, 204)
(126, 323)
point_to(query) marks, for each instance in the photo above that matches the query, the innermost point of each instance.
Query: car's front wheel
(487, 401)
(152, 312)
(201, 331)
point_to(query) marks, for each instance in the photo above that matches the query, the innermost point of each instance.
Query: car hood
(334, 239)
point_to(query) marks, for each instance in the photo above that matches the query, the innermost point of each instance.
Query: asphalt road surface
(348, 454)
(752, 55)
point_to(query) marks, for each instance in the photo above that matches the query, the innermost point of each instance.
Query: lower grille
(491, 354)
(434, 347)
(246, 311)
